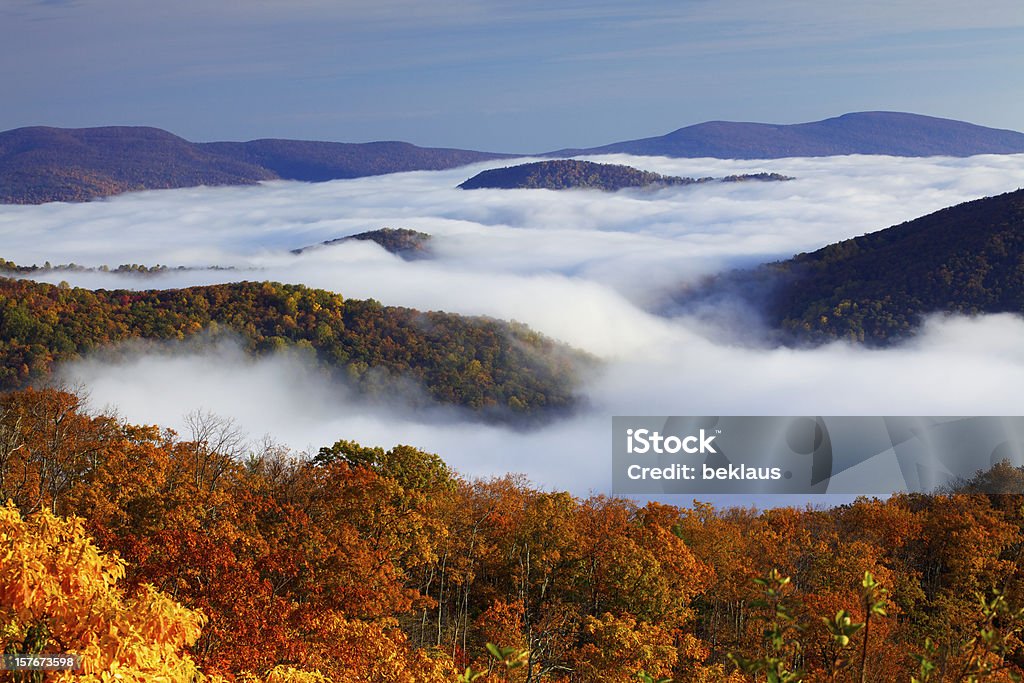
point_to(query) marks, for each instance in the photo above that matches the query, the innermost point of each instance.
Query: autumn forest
(199, 556)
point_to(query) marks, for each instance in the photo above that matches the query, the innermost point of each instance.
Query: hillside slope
(408, 244)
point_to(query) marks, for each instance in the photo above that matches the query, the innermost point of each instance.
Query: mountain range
(41, 164)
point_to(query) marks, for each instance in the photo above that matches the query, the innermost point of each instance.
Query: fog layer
(584, 267)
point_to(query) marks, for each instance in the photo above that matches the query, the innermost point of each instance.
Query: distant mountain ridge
(54, 164)
(319, 161)
(875, 132)
(41, 164)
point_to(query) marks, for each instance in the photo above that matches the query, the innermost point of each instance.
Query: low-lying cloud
(957, 366)
(584, 267)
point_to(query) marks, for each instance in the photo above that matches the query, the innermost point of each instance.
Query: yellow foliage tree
(58, 594)
(621, 646)
(372, 652)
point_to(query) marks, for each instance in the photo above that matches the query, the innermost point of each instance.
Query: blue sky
(516, 75)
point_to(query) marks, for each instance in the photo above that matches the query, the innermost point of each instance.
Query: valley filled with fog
(588, 268)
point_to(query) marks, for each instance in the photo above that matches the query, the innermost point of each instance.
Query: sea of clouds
(588, 268)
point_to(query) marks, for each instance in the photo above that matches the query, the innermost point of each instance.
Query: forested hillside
(503, 369)
(358, 564)
(876, 288)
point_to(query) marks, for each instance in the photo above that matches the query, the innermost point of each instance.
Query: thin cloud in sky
(513, 76)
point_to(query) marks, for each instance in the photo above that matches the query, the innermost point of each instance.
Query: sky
(521, 76)
(588, 268)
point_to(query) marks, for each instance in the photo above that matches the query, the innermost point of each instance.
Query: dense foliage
(9, 268)
(965, 259)
(480, 363)
(365, 564)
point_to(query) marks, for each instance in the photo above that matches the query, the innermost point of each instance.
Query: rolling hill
(964, 259)
(876, 132)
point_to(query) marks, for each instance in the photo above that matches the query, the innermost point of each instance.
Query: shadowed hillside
(56, 164)
(966, 259)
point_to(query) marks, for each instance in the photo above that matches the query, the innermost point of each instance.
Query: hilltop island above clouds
(39, 164)
(568, 174)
